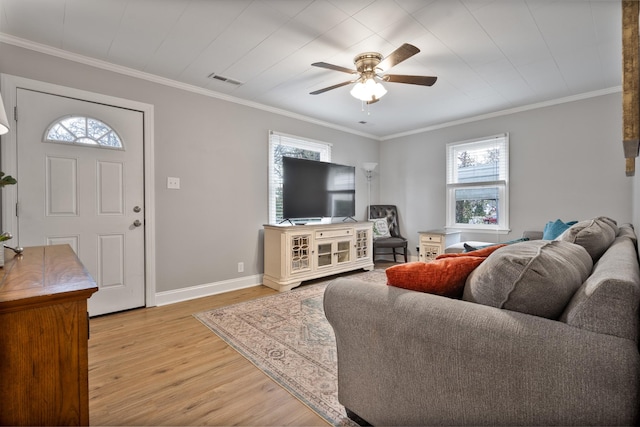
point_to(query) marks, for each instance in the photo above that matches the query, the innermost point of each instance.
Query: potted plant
(6, 180)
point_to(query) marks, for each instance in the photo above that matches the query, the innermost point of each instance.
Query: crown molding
(506, 112)
(108, 66)
(104, 65)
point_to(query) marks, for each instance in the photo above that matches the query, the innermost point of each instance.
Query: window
(281, 145)
(82, 130)
(478, 184)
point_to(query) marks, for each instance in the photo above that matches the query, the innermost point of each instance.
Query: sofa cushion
(595, 235)
(446, 275)
(607, 302)
(555, 228)
(537, 277)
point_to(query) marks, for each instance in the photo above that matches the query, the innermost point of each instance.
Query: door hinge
(15, 113)
(17, 209)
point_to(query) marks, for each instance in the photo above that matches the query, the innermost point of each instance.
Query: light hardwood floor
(161, 366)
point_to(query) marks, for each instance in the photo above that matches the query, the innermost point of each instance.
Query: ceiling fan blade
(405, 51)
(326, 89)
(413, 80)
(334, 67)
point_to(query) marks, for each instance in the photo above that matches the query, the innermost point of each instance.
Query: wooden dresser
(44, 330)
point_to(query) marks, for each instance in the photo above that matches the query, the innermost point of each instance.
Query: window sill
(479, 230)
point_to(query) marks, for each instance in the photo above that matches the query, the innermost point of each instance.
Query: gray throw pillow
(537, 277)
(595, 235)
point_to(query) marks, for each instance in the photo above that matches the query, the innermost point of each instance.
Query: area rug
(288, 337)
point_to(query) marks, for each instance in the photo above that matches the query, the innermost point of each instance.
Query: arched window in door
(82, 130)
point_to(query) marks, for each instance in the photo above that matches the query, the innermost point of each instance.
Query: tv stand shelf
(295, 253)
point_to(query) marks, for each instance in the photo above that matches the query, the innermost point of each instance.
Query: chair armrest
(412, 358)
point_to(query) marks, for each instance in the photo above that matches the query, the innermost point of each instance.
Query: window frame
(502, 185)
(274, 181)
(78, 140)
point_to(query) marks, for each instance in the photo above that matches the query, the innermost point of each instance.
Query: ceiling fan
(370, 70)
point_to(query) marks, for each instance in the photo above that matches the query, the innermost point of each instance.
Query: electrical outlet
(241, 267)
(173, 183)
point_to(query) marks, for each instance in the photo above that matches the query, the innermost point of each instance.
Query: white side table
(433, 243)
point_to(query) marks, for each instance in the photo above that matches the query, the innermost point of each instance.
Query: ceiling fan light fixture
(368, 88)
(368, 91)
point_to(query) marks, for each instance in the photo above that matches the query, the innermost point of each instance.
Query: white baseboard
(199, 291)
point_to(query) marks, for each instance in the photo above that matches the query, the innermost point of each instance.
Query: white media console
(295, 253)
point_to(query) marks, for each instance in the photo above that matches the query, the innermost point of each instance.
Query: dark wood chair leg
(394, 254)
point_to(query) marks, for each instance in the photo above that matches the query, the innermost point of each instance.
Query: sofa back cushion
(595, 235)
(537, 277)
(607, 302)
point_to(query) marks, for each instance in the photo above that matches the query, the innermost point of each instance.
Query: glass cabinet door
(300, 256)
(343, 252)
(324, 254)
(362, 244)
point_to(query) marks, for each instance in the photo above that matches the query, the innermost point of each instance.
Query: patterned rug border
(333, 415)
(226, 336)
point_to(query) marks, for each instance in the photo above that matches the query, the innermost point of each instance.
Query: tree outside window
(281, 145)
(477, 184)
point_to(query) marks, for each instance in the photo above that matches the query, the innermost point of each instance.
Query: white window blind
(478, 184)
(283, 145)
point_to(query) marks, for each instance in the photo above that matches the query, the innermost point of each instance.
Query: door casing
(9, 160)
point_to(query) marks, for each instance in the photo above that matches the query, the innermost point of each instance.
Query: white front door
(83, 193)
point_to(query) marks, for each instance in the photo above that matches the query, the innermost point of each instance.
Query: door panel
(110, 181)
(84, 195)
(61, 191)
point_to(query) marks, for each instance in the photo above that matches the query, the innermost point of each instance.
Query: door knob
(137, 209)
(137, 223)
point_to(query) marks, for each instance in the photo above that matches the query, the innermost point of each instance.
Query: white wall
(219, 151)
(566, 162)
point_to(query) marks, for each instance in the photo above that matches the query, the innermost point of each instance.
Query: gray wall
(219, 151)
(566, 162)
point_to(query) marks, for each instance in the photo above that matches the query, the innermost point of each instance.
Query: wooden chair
(395, 240)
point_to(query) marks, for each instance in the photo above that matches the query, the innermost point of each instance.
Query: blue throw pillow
(555, 228)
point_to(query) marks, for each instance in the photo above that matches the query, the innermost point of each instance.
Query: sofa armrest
(411, 358)
(532, 234)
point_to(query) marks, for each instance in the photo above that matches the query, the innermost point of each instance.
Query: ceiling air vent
(224, 79)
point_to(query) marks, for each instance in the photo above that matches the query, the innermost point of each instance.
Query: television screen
(313, 189)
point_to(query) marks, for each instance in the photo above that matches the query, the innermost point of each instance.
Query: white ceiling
(488, 55)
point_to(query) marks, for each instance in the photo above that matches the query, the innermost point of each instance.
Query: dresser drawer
(433, 238)
(340, 232)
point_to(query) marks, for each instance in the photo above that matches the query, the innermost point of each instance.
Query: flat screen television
(313, 189)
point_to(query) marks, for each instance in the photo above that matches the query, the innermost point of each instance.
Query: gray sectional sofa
(414, 358)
